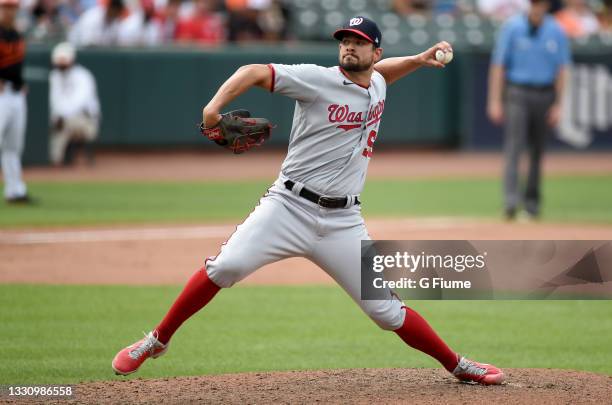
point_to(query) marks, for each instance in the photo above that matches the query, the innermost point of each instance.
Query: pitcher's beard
(354, 66)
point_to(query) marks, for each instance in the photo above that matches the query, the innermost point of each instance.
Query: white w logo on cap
(356, 21)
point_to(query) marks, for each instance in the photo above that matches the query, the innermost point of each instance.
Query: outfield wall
(154, 97)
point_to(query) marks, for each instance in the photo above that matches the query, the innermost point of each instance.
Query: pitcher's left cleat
(128, 360)
(472, 371)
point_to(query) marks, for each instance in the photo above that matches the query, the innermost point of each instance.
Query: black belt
(323, 201)
(536, 87)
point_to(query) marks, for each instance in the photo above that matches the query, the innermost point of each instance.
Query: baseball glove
(238, 132)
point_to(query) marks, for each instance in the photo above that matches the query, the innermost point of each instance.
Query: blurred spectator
(74, 105)
(70, 11)
(274, 21)
(449, 7)
(577, 19)
(407, 7)
(87, 4)
(243, 22)
(527, 78)
(168, 19)
(605, 18)
(99, 25)
(555, 5)
(46, 21)
(142, 27)
(205, 26)
(501, 10)
(254, 20)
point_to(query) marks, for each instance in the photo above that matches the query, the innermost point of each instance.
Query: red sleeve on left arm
(273, 72)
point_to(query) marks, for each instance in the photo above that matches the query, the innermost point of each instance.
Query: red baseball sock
(417, 333)
(198, 292)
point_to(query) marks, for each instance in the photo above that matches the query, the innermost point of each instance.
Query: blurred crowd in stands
(579, 18)
(214, 22)
(154, 22)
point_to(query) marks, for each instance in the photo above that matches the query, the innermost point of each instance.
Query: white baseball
(444, 57)
(448, 57)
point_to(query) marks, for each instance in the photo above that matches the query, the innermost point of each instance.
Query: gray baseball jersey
(335, 125)
(334, 129)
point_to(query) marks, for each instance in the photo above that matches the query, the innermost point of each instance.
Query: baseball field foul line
(115, 235)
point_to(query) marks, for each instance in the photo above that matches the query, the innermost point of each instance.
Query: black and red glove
(238, 132)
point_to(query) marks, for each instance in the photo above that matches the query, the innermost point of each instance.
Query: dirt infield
(361, 386)
(157, 255)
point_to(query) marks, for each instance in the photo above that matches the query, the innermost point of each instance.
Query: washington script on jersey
(343, 114)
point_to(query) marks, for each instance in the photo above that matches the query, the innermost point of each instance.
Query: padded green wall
(155, 97)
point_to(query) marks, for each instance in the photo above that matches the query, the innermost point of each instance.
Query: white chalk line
(181, 233)
(115, 235)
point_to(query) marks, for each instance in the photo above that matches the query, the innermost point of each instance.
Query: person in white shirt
(74, 104)
(142, 27)
(501, 10)
(99, 25)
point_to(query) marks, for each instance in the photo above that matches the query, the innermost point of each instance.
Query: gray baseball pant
(526, 127)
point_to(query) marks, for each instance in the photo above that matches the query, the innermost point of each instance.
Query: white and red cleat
(472, 371)
(128, 360)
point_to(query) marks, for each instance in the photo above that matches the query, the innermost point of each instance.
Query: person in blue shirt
(526, 83)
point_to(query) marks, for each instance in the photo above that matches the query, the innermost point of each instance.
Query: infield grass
(67, 334)
(566, 199)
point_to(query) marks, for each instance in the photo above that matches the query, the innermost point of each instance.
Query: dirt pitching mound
(362, 386)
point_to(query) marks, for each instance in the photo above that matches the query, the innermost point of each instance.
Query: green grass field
(61, 334)
(566, 199)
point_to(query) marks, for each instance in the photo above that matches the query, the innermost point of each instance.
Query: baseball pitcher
(313, 208)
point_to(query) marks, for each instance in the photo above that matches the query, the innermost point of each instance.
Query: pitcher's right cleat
(472, 371)
(128, 360)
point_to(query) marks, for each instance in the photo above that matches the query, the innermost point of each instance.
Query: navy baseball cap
(363, 27)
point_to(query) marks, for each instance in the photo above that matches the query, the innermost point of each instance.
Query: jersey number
(367, 152)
